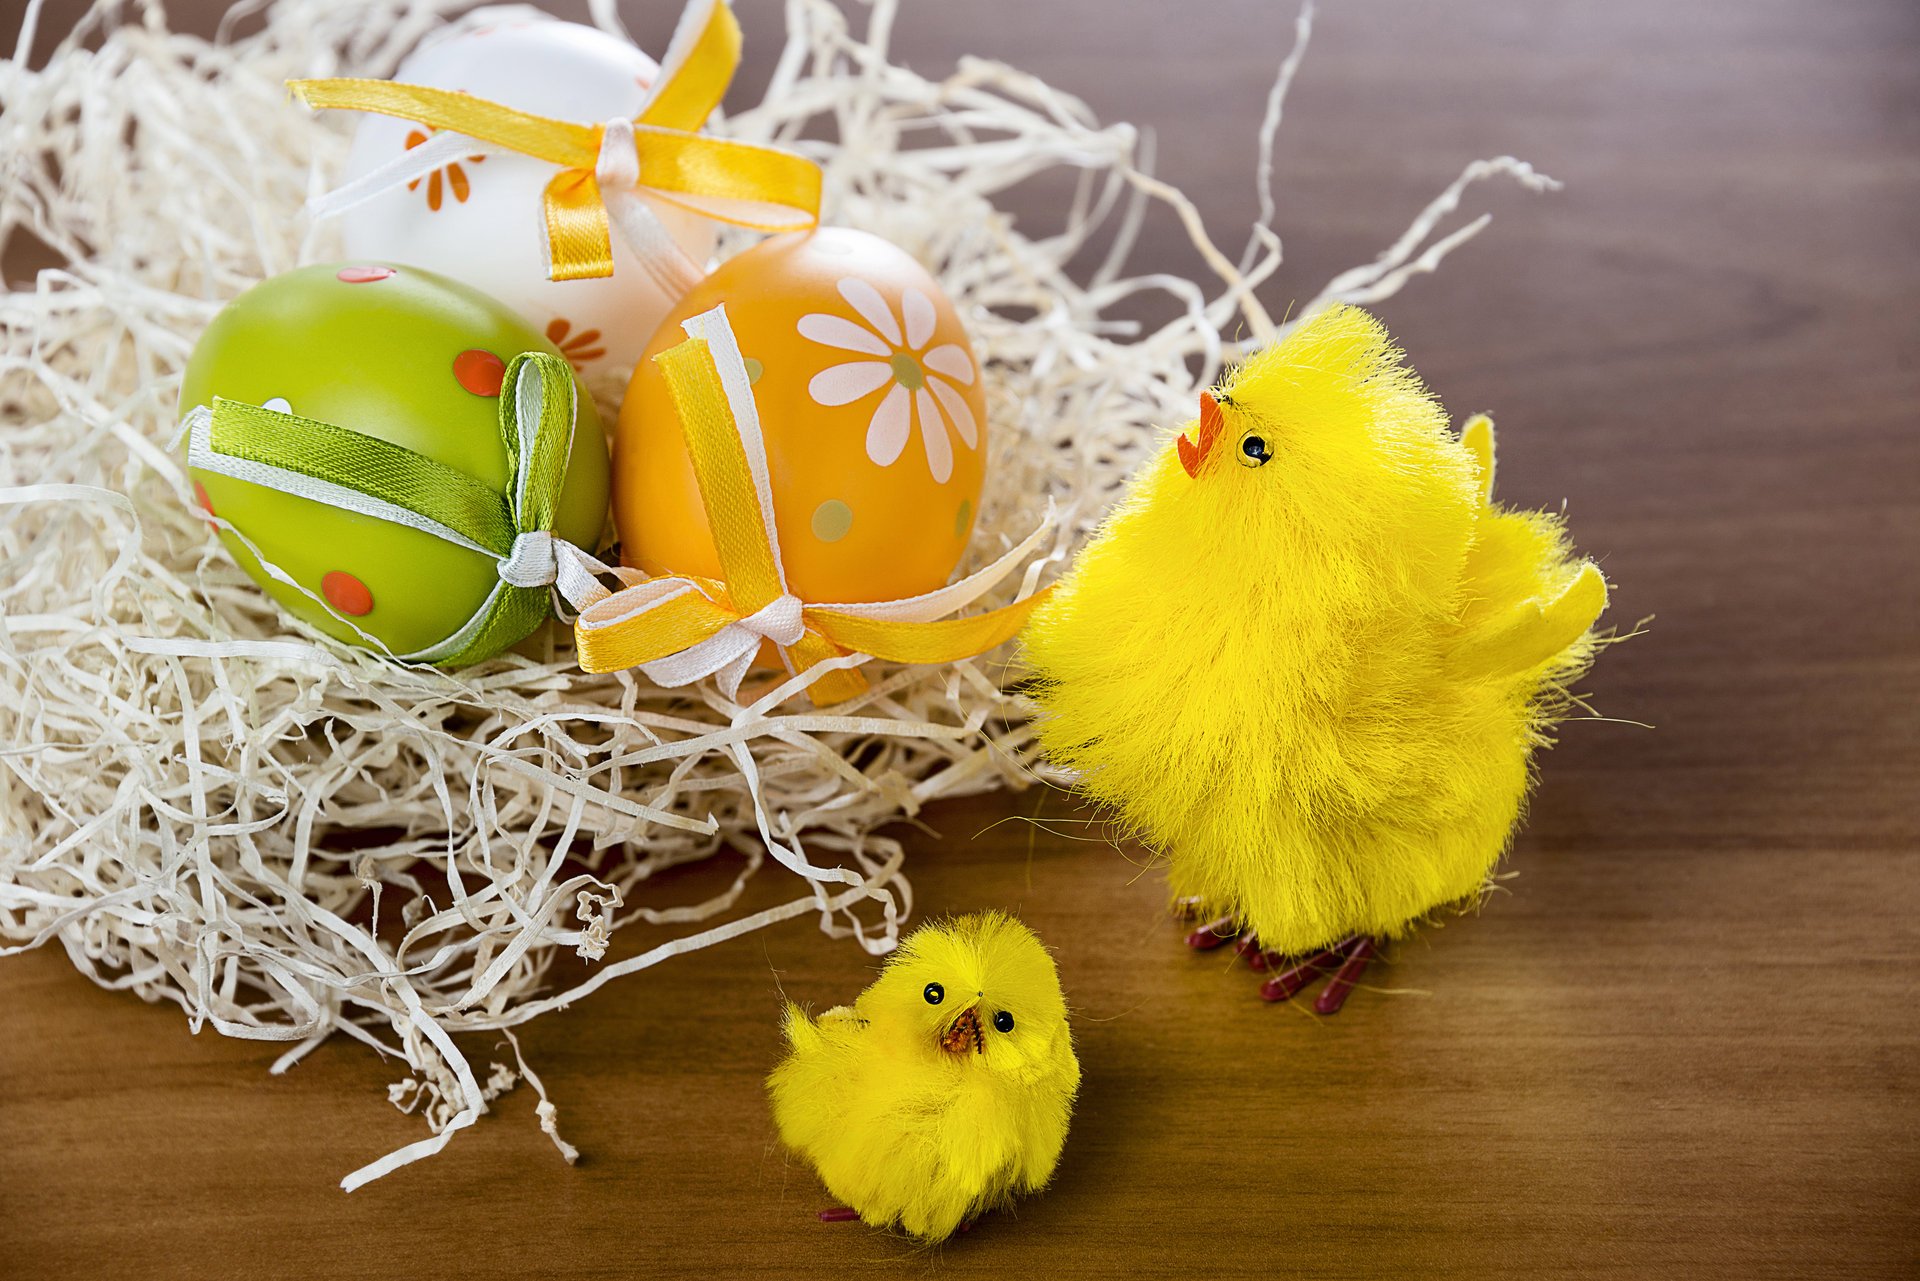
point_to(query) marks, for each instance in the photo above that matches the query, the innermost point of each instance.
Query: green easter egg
(413, 359)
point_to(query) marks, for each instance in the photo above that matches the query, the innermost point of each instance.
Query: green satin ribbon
(536, 426)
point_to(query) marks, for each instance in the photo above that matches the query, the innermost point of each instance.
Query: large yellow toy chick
(1308, 658)
(945, 1089)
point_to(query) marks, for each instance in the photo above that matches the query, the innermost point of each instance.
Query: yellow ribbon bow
(602, 164)
(680, 629)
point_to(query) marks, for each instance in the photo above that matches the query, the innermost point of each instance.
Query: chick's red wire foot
(1247, 948)
(839, 1214)
(1345, 961)
(1291, 973)
(1213, 934)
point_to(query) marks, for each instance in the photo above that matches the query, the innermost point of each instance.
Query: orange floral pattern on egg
(456, 177)
(581, 348)
(871, 404)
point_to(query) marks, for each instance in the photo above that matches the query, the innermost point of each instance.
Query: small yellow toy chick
(945, 1089)
(1308, 658)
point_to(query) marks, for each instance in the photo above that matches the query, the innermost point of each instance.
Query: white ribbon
(780, 621)
(412, 164)
(575, 575)
(533, 562)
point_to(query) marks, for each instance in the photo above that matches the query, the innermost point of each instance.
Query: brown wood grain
(1683, 1040)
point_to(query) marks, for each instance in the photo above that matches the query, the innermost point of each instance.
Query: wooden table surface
(1684, 1040)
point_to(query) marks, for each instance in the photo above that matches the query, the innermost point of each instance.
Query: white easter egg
(481, 219)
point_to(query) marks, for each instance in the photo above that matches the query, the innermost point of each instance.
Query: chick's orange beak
(965, 1034)
(1193, 453)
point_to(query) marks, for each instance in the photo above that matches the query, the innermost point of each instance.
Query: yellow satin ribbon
(734, 182)
(753, 579)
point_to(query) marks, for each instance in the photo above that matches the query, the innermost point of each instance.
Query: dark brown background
(1682, 1043)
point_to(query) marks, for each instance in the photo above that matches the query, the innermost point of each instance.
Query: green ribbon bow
(343, 468)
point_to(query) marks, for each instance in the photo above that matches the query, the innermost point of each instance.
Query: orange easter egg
(871, 404)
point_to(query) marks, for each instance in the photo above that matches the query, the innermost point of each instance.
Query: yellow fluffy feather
(1313, 672)
(945, 1089)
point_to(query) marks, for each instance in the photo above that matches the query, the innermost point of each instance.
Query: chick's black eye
(935, 994)
(1004, 1021)
(1254, 451)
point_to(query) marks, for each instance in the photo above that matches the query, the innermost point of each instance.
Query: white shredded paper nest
(204, 803)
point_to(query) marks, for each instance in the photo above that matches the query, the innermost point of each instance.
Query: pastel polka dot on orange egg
(831, 521)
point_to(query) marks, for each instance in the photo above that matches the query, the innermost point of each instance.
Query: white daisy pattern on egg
(922, 384)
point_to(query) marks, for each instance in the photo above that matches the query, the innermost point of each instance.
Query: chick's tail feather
(1535, 631)
(1477, 436)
